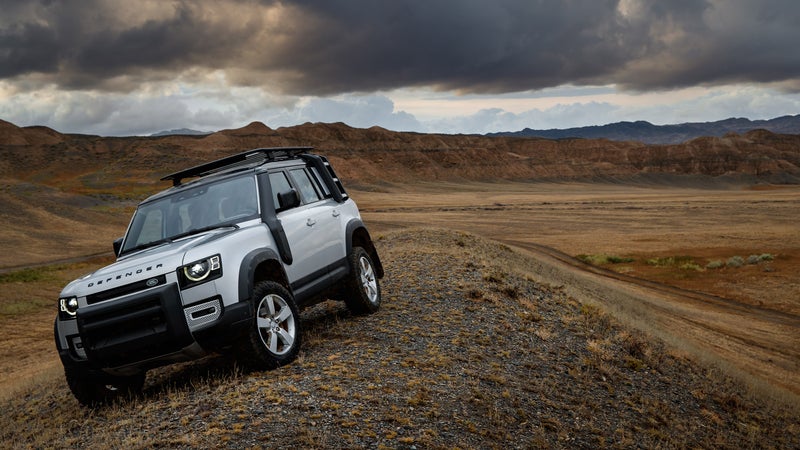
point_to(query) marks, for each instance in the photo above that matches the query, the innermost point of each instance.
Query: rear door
(323, 217)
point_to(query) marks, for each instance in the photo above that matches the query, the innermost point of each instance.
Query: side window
(279, 183)
(305, 185)
(320, 184)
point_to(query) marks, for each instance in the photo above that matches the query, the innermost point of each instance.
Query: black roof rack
(250, 158)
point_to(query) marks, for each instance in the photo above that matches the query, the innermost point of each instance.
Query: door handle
(336, 213)
(311, 222)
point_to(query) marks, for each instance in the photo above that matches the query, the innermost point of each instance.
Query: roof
(247, 159)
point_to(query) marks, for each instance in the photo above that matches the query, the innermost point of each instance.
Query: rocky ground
(466, 352)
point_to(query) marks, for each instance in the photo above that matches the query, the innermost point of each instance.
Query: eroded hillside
(376, 154)
(58, 188)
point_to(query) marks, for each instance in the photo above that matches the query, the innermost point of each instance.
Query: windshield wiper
(200, 230)
(146, 245)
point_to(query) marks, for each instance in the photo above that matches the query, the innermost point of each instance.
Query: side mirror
(288, 199)
(117, 246)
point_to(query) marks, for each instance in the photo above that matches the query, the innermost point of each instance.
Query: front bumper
(145, 330)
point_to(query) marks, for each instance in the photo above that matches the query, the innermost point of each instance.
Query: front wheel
(273, 339)
(95, 389)
(363, 290)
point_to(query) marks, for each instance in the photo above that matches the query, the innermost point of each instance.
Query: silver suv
(221, 262)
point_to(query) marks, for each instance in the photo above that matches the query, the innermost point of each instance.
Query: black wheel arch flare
(249, 269)
(358, 235)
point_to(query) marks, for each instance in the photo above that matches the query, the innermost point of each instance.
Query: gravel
(464, 353)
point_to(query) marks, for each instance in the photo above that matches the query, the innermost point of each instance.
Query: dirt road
(764, 353)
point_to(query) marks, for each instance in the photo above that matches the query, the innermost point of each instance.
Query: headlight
(201, 271)
(68, 307)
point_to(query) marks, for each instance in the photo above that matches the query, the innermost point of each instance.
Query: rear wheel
(94, 389)
(273, 339)
(363, 290)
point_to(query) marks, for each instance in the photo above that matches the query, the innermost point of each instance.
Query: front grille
(134, 328)
(127, 289)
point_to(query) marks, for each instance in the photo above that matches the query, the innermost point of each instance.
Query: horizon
(191, 131)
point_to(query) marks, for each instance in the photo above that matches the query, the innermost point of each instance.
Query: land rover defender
(221, 261)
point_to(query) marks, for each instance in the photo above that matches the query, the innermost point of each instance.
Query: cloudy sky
(122, 67)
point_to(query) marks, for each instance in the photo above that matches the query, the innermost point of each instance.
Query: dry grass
(467, 352)
(398, 380)
(622, 222)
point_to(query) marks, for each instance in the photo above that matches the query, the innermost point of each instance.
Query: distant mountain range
(648, 133)
(639, 131)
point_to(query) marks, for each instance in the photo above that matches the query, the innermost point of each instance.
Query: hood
(139, 266)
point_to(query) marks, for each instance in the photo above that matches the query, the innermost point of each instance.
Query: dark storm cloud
(84, 44)
(327, 46)
(472, 45)
(27, 48)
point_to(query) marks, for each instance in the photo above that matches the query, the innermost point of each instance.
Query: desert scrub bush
(634, 364)
(590, 310)
(601, 259)
(511, 292)
(682, 262)
(691, 266)
(755, 259)
(495, 276)
(595, 318)
(670, 261)
(475, 294)
(735, 261)
(738, 261)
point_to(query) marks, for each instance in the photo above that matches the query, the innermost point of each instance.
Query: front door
(313, 230)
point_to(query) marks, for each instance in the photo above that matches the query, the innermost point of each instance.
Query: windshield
(225, 202)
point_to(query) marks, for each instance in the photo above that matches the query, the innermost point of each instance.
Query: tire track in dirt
(757, 345)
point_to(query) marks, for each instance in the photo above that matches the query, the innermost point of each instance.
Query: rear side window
(320, 184)
(304, 184)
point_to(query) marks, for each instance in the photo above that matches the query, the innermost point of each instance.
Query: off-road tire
(95, 389)
(363, 294)
(274, 336)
